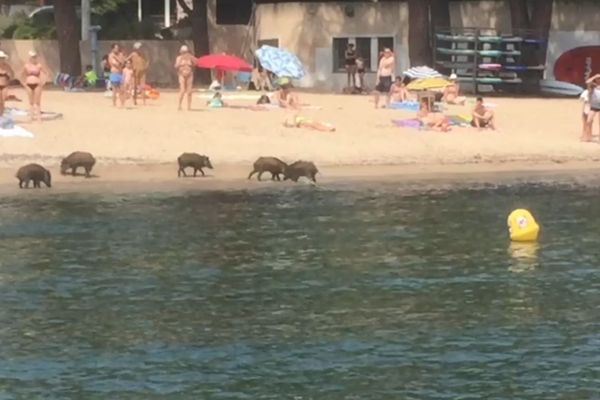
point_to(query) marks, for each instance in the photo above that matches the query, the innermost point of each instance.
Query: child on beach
(302, 122)
(216, 101)
(128, 84)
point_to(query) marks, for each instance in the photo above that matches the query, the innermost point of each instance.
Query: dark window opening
(234, 12)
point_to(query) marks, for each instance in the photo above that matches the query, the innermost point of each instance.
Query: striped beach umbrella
(421, 72)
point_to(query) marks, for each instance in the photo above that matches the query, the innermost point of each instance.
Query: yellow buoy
(522, 226)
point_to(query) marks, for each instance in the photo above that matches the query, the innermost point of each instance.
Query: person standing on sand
(350, 64)
(593, 87)
(385, 72)
(6, 74)
(184, 64)
(116, 62)
(585, 112)
(140, 65)
(34, 78)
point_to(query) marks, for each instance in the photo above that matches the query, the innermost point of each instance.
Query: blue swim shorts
(115, 78)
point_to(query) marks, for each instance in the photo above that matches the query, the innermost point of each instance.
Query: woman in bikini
(184, 64)
(6, 74)
(34, 77)
(302, 122)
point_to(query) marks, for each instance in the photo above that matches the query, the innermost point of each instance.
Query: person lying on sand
(398, 92)
(434, 120)
(482, 117)
(452, 92)
(286, 98)
(302, 122)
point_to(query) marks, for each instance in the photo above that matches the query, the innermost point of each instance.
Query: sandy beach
(141, 144)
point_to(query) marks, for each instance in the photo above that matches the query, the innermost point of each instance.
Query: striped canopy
(421, 72)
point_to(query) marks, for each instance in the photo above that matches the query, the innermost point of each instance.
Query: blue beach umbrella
(280, 62)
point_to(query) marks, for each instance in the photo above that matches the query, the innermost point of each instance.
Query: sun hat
(184, 49)
(3, 54)
(137, 45)
(453, 77)
(32, 53)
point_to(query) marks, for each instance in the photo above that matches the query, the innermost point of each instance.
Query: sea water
(298, 292)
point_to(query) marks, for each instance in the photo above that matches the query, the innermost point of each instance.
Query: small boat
(559, 88)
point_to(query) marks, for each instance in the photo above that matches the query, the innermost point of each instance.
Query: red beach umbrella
(223, 62)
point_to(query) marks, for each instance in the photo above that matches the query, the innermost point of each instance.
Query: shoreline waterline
(159, 177)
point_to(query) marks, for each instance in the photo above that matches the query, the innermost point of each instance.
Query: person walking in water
(116, 62)
(140, 65)
(34, 78)
(184, 64)
(385, 73)
(6, 74)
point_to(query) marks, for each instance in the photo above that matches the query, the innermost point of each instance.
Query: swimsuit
(595, 100)
(32, 86)
(384, 85)
(302, 120)
(33, 70)
(350, 58)
(115, 78)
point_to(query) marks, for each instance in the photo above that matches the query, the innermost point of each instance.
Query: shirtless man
(398, 91)
(140, 66)
(385, 72)
(116, 62)
(184, 64)
(452, 92)
(482, 117)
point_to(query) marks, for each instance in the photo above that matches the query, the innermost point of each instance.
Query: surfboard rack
(486, 56)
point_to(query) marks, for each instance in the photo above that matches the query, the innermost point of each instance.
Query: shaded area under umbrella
(223, 62)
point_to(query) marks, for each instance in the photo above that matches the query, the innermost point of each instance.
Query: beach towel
(15, 131)
(459, 120)
(19, 112)
(407, 123)
(405, 105)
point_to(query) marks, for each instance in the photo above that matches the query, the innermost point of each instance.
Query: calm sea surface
(296, 292)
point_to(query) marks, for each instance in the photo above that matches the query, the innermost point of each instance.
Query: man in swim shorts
(482, 117)
(116, 63)
(385, 72)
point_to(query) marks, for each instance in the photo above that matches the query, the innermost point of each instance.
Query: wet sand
(137, 147)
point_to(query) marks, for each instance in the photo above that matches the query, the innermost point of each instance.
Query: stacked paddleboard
(482, 57)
